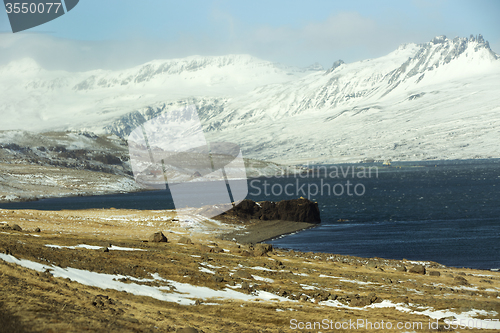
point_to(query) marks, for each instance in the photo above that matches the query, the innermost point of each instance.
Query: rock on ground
(158, 237)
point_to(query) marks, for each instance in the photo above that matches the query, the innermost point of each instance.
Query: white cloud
(74, 55)
(347, 35)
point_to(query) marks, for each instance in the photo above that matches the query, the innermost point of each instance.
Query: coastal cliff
(267, 220)
(296, 210)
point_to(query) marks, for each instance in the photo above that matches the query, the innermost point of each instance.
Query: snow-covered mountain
(35, 99)
(435, 100)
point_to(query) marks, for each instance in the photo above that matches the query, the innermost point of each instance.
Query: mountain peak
(335, 65)
(439, 39)
(445, 50)
(462, 42)
(479, 38)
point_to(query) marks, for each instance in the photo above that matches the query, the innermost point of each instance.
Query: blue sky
(121, 33)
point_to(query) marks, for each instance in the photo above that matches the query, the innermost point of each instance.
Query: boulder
(434, 273)
(217, 250)
(245, 253)
(461, 281)
(16, 227)
(322, 295)
(185, 240)
(217, 278)
(262, 249)
(158, 237)
(360, 302)
(372, 297)
(401, 268)
(417, 269)
(204, 248)
(187, 330)
(208, 249)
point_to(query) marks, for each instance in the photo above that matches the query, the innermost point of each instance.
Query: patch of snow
(337, 304)
(184, 293)
(423, 263)
(356, 281)
(259, 268)
(93, 247)
(465, 318)
(308, 287)
(79, 246)
(119, 248)
(329, 276)
(210, 265)
(259, 278)
(206, 270)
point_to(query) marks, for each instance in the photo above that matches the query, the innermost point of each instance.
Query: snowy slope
(410, 68)
(436, 100)
(35, 99)
(427, 101)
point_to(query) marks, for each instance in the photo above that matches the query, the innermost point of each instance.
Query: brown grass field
(257, 289)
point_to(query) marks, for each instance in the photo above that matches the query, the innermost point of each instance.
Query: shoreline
(254, 234)
(259, 231)
(27, 200)
(83, 175)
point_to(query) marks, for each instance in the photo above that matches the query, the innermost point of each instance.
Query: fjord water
(443, 211)
(448, 212)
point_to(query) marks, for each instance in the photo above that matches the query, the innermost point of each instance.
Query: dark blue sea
(443, 211)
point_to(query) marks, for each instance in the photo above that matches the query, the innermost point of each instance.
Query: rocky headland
(266, 220)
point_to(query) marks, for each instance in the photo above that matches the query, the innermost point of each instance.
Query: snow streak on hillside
(438, 100)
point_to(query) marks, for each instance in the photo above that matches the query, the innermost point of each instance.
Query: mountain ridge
(281, 113)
